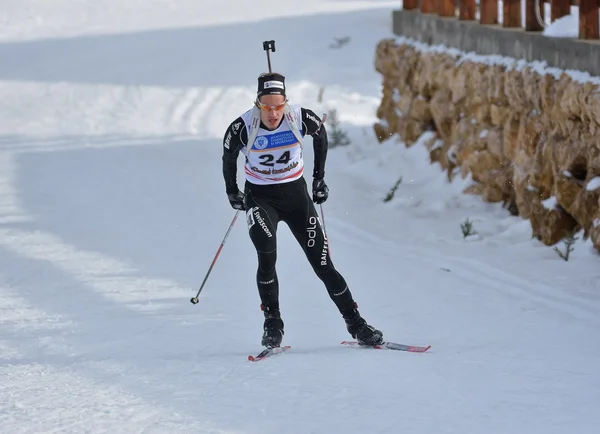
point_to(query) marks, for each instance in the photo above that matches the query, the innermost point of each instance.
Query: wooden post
(588, 19)
(512, 13)
(445, 8)
(532, 22)
(410, 4)
(559, 9)
(428, 6)
(467, 9)
(488, 13)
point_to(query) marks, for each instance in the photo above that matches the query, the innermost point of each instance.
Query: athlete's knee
(267, 261)
(323, 267)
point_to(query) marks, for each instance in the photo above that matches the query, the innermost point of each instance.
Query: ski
(389, 346)
(268, 352)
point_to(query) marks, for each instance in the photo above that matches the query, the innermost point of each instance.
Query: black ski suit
(288, 202)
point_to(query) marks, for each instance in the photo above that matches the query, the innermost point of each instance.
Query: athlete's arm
(234, 140)
(313, 126)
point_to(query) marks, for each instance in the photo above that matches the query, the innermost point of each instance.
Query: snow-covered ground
(564, 27)
(112, 207)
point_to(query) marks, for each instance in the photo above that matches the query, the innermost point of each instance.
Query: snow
(437, 144)
(112, 207)
(550, 203)
(564, 27)
(593, 184)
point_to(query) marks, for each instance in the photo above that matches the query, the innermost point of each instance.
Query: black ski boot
(273, 328)
(364, 333)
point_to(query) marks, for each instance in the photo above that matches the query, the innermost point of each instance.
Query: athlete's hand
(320, 191)
(237, 200)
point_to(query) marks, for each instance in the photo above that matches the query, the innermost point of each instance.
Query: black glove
(237, 200)
(320, 191)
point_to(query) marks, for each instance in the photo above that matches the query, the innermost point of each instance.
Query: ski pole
(325, 230)
(194, 300)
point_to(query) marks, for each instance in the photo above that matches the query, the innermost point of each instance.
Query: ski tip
(268, 352)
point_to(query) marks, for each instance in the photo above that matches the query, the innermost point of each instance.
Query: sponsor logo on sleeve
(315, 120)
(227, 140)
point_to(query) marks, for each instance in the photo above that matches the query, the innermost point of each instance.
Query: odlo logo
(311, 230)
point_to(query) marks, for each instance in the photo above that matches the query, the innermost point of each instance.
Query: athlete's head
(271, 98)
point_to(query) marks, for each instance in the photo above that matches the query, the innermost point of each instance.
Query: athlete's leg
(304, 223)
(262, 221)
(306, 227)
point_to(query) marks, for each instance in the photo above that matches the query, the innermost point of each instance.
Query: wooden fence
(511, 11)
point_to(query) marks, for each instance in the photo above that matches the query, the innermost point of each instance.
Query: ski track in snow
(480, 274)
(112, 207)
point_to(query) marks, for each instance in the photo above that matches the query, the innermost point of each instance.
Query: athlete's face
(271, 109)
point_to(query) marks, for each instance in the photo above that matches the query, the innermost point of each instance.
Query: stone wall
(528, 136)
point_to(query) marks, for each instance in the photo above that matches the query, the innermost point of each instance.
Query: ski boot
(358, 328)
(273, 328)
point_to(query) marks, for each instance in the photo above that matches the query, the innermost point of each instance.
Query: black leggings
(290, 202)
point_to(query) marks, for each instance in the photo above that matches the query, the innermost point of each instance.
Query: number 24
(268, 159)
